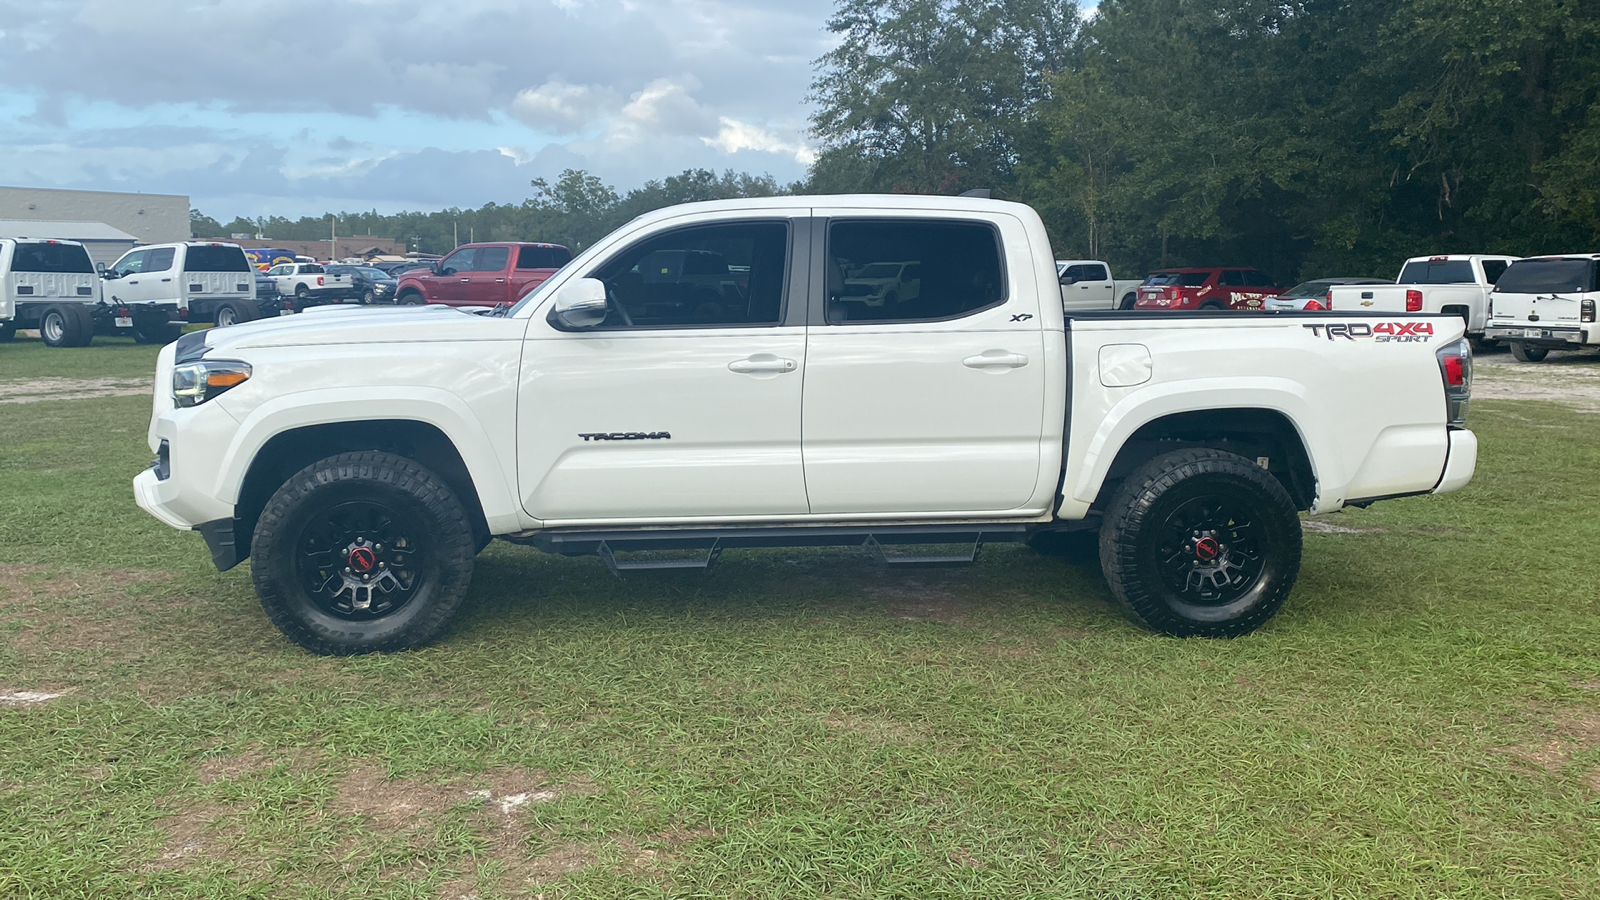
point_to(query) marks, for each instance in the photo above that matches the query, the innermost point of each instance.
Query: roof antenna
(980, 193)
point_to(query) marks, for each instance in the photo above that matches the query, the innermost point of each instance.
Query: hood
(349, 325)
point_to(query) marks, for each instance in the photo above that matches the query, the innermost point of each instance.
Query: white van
(1546, 303)
(191, 281)
(48, 285)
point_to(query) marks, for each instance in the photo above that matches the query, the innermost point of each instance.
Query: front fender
(441, 409)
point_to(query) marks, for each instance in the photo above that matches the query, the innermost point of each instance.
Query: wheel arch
(1252, 432)
(291, 450)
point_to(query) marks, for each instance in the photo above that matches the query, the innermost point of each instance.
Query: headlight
(193, 383)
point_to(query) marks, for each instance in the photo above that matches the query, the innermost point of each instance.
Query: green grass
(108, 357)
(1422, 720)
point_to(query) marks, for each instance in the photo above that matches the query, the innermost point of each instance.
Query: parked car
(50, 285)
(310, 284)
(1311, 296)
(362, 458)
(1087, 284)
(1457, 285)
(1546, 303)
(369, 284)
(1206, 288)
(165, 285)
(484, 274)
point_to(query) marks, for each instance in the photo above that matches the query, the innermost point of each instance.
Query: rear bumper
(1460, 463)
(1557, 337)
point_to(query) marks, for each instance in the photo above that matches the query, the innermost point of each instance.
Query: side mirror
(580, 304)
(1069, 279)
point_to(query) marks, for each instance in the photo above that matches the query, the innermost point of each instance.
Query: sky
(299, 107)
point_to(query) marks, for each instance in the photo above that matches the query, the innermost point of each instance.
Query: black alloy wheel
(1201, 542)
(362, 552)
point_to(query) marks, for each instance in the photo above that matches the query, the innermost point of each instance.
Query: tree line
(1306, 137)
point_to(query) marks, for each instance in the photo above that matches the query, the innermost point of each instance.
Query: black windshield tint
(54, 258)
(1548, 276)
(1455, 271)
(215, 259)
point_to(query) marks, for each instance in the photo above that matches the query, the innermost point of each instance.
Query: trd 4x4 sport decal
(1382, 332)
(628, 436)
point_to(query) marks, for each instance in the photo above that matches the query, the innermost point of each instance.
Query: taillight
(1413, 301)
(319, 281)
(1314, 306)
(1455, 367)
(1586, 311)
(1329, 299)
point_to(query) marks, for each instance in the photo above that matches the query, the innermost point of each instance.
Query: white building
(145, 218)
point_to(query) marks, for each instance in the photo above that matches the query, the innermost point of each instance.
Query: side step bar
(882, 541)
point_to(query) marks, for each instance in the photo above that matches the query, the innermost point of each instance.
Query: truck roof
(510, 244)
(872, 202)
(1451, 257)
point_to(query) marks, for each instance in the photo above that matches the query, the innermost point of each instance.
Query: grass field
(1422, 720)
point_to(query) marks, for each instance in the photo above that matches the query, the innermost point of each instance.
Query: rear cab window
(933, 269)
(215, 259)
(57, 259)
(1442, 271)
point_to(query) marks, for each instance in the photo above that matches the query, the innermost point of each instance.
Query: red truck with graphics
(1224, 287)
(487, 274)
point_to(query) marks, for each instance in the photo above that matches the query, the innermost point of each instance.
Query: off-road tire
(421, 504)
(1524, 353)
(234, 313)
(1146, 511)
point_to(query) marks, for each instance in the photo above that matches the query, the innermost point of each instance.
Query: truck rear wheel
(1201, 543)
(1527, 353)
(233, 312)
(362, 552)
(66, 325)
(1128, 300)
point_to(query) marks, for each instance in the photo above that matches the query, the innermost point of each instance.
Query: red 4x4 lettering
(1398, 328)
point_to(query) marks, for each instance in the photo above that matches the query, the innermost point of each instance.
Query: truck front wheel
(1528, 353)
(362, 552)
(1201, 543)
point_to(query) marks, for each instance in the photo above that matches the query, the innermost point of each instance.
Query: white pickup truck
(362, 458)
(1547, 303)
(1453, 285)
(1087, 284)
(310, 284)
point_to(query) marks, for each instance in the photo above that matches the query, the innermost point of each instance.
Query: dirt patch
(34, 390)
(874, 730)
(1565, 735)
(48, 607)
(1322, 526)
(29, 698)
(918, 600)
(1569, 379)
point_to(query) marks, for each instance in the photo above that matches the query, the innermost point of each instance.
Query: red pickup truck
(482, 274)
(1206, 288)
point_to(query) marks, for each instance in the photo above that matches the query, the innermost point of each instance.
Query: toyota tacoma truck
(361, 458)
(1546, 303)
(1456, 285)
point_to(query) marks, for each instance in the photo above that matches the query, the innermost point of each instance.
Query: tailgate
(1373, 297)
(51, 286)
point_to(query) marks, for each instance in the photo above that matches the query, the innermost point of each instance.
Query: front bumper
(1460, 462)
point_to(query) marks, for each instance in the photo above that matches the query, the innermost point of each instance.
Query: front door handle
(995, 359)
(763, 362)
(466, 280)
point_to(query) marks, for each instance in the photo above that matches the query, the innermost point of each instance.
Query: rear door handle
(763, 362)
(166, 279)
(466, 280)
(995, 359)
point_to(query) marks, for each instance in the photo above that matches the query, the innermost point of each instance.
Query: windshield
(1444, 271)
(1548, 276)
(880, 270)
(53, 258)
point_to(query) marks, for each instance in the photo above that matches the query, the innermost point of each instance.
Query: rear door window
(1444, 271)
(490, 259)
(52, 258)
(160, 259)
(957, 263)
(1493, 269)
(215, 259)
(1233, 278)
(1254, 278)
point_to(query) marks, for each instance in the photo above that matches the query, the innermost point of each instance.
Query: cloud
(562, 108)
(734, 136)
